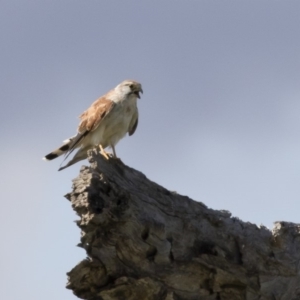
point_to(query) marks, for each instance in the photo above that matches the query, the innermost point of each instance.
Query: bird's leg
(102, 151)
(114, 151)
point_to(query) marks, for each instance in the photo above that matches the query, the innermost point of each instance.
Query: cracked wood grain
(146, 242)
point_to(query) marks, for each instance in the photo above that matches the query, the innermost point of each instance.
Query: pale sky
(219, 117)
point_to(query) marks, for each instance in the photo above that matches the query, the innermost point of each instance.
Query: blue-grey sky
(219, 118)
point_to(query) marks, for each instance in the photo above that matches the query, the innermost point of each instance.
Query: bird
(103, 124)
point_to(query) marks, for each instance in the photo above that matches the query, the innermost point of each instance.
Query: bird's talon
(104, 153)
(106, 156)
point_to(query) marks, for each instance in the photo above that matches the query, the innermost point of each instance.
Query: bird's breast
(118, 121)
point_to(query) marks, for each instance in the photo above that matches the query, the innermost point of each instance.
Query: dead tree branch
(146, 242)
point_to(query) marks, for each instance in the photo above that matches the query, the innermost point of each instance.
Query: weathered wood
(146, 242)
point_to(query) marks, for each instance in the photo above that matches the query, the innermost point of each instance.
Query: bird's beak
(138, 93)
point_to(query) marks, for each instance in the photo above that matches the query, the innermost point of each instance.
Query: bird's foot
(104, 153)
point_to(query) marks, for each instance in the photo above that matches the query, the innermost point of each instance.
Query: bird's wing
(92, 117)
(134, 123)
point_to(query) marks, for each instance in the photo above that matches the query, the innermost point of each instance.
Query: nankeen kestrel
(104, 123)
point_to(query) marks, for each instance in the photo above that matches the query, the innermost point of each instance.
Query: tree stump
(145, 242)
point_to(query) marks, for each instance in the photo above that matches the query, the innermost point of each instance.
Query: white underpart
(115, 125)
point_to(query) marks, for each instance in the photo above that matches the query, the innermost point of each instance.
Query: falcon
(104, 123)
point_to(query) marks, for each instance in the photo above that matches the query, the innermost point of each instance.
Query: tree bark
(146, 242)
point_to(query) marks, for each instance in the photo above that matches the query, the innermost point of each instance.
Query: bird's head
(129, 87)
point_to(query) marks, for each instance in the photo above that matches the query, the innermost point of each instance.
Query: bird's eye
(131, 86)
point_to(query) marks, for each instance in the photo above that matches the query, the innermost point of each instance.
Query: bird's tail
(67, 145)
(80, 155)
